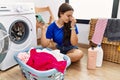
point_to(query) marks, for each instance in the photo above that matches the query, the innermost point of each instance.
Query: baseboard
(83, 45)
(79, 44)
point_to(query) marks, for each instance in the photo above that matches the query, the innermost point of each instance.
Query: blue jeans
(65, 49)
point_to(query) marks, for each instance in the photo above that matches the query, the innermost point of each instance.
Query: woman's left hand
(73, 21)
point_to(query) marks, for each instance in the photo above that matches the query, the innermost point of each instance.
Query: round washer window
(19, 31)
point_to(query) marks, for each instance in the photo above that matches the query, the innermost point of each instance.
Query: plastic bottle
(99, 59)
(91, 59)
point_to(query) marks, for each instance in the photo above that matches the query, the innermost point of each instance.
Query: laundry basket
(33, 74)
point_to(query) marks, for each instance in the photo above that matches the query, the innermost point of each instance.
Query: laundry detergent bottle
(91, 59)
(99, 59)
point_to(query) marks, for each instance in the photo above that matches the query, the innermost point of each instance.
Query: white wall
(83, 33)
(54, 5)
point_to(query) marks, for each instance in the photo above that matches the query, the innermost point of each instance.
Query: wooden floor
(77, 71)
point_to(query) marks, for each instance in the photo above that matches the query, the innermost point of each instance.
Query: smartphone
(39, 18)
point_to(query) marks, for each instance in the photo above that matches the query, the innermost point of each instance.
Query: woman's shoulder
(52, 25)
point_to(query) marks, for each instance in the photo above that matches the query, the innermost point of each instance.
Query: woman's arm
(74, 37)
(44, 41)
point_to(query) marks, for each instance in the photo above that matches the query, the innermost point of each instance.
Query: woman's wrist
(72, 28)
(44, 27)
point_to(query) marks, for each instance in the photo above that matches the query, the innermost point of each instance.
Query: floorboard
(76, 71)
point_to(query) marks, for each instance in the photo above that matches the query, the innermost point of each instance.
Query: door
(4, 42)
(19, 31)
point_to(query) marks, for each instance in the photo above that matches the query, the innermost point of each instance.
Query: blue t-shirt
(56, 33)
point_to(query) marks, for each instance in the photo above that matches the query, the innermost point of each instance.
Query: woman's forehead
(69, 12)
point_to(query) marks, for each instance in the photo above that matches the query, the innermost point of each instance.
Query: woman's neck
(60, 23)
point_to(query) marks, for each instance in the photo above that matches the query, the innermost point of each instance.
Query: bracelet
(72, 28)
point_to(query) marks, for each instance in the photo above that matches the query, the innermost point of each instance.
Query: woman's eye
(68, 16)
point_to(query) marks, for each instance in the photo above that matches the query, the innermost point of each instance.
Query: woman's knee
(80, 54)
(76, 55)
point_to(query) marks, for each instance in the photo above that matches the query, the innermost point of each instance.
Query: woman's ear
(61, 13)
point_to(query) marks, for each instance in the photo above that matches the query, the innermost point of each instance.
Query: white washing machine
(17, 31)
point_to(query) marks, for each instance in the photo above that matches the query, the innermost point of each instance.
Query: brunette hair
(67, 32)
(64, 8)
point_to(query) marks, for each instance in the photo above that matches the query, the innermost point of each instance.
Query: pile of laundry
(44, 59)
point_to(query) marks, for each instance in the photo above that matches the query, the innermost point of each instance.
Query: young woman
(64, 33)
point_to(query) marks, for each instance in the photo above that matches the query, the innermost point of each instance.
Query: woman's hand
(40, 24)
(73, 21)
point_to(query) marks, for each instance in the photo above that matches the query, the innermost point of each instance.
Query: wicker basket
(110, 49)
(111, 53)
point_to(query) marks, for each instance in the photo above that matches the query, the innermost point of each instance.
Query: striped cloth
(99, 31)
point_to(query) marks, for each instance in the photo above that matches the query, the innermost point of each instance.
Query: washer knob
(19, 9)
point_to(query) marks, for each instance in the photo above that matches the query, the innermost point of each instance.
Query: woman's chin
(66, 21)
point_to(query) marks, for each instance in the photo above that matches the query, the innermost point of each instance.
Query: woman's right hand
(73, 21)
(40, 24)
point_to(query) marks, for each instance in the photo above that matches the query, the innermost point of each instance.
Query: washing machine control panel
(21, 9)
(24, 8)
(16, 8)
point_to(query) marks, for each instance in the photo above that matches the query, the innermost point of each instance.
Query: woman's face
(66, 16)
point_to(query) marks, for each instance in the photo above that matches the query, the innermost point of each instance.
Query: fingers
(72, 19)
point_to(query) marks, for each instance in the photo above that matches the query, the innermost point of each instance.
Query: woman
(64, 33)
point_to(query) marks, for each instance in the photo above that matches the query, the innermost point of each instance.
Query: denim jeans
(65, 49)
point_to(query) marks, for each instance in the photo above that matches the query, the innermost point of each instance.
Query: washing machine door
(19, 31)
(4, 42)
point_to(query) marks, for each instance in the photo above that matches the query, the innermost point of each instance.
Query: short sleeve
(76, 29)
(49, 32)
